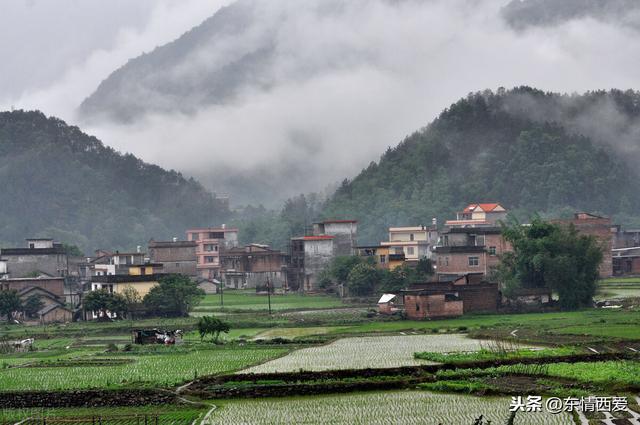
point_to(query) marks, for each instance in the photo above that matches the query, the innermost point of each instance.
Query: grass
(401, 407)
(158, 367)
(250, 301)
(623, 331)
(488, 355)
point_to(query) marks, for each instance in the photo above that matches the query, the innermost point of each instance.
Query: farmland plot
(368, 352)
(390, 407)
(152, 369)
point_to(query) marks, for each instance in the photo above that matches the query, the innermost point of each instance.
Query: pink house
(210, 241)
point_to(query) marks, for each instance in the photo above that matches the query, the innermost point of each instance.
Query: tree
(547, 255)
(210, 325)
(32, 305)
(337, 271)
(10, 302)
(105, 302)
(131, 298)
(72, 250)
(362, 279)
(174, 296)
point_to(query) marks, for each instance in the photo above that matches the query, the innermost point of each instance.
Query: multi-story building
(40, 256)
(311, 254)
(210, 241)
(463, 250)
(478, 215)
(175, 256)
(380, 255)
(344, 234)
(107, 263)
(412, 243)
(253, 266)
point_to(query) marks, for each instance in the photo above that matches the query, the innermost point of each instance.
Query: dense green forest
(61, 183)
(534, 152)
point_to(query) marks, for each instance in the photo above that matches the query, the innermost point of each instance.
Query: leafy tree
(362, 279)
(10, 302)
(103, 302)
(32, 305)
(211, 325)
(174, 296)
(132, 298)
(72, 250)
(547, 255)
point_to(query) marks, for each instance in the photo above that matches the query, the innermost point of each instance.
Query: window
(216, 235)
(492, 250)
(195, 236)
(445, 240)
(474, 261)
(210, 247)
(32, 246)
(208, 259)
(383, 259)
(417, 307)
(411, 237)
(410, 250)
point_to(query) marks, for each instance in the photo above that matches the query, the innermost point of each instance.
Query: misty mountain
(207, 65)
(522, 14)
(62, 183)
(534, 152)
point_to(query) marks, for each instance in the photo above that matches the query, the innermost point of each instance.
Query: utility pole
(221, 294)
(269, 294)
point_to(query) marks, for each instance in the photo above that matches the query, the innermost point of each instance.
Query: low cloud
(347, 80)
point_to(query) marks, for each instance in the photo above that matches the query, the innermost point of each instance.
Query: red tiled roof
(483, 207)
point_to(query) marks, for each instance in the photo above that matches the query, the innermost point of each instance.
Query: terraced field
(368, 352)
(390, 407)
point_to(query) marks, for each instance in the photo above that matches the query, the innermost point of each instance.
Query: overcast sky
(407, 61)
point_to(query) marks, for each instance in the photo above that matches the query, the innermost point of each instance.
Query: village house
(412, 243)
(626, 261)
(469, 250)
(210, 242)
(600, 228)
(253, 266)
(50, 291)
(40, 256)
(311, 254)
(176, 256)
(107, 263)
(478, 215)
(380, 255)
(118, 283)
(468, 294)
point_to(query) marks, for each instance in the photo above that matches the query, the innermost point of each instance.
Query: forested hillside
(59, 182)
(529, 150)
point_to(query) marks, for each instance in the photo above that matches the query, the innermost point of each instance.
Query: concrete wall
(345, 236)
(317, 255)
(24, 265)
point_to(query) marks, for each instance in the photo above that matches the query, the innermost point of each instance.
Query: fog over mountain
(265, 99)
